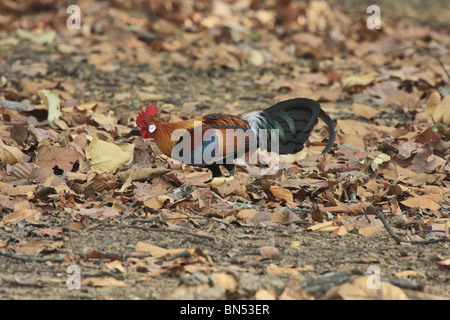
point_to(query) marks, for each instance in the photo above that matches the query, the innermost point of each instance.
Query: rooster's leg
(215, 170)
(231, 168)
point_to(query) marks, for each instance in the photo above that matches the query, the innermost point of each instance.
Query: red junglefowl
(215, 140)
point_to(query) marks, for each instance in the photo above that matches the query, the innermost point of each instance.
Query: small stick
(183, 254)
(30, 258)
(398, 239)
(14, 105)
(172, 230)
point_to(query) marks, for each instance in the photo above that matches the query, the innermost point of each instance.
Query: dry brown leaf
(429, 201)
(247, 214)
(438, 110)
(226, 186)
(203, 196)
(52, 156)
(444, 264)
(354, 140)
(362, 129)
(360, 290)
(226, 281)
(327, 226)
(158, 202)
(281, 194)
(10, 154)
(18, 215)
(155, 251)
(364, 111)
(33, 246)
(274, 270)
(265, 294)
(10, 190)
(369, 231)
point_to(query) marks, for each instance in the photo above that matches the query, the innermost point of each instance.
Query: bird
(216, 139)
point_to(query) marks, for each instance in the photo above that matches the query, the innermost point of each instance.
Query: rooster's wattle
(215, 140)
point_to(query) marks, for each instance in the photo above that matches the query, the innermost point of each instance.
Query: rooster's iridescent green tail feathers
(294, 119)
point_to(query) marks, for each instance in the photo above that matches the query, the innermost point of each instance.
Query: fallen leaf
(106, 156)
(281, 194)
(361, 79)
(438, 110)
(53, 105)
(273, 270)
(424, 202)
(10, 154)
(49, 157)
(360, 289)
(364, 111)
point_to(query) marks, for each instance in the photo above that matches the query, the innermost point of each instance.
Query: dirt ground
(233, 248)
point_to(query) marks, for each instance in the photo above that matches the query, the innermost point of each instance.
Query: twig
(14, 105)
(398, 239)
(117, 255)
(171, 230)
(345, 193)
(30, 258)
(239, 204)
(183, 254)
(440, 63)
(207, 218)
(105, 244)
(74, 252)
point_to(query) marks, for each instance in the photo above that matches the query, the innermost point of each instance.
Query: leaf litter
(72, 167)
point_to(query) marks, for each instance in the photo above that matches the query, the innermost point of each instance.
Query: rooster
(215, 140)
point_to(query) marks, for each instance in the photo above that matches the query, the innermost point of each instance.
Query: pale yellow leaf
(361, 79)
(52, 104)
(106, 156)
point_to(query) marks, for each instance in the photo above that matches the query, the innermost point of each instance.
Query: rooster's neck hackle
(163, 135)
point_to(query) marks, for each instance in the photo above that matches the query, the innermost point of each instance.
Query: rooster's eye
(145, 122)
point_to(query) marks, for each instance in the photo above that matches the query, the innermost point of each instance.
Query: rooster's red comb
(150, 111)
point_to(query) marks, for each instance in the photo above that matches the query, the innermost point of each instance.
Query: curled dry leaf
(281, 194)
(438, 110)
(53, 105)
(10, 154)
(363, 79)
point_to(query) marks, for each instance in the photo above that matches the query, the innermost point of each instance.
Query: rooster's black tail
(294, 119)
